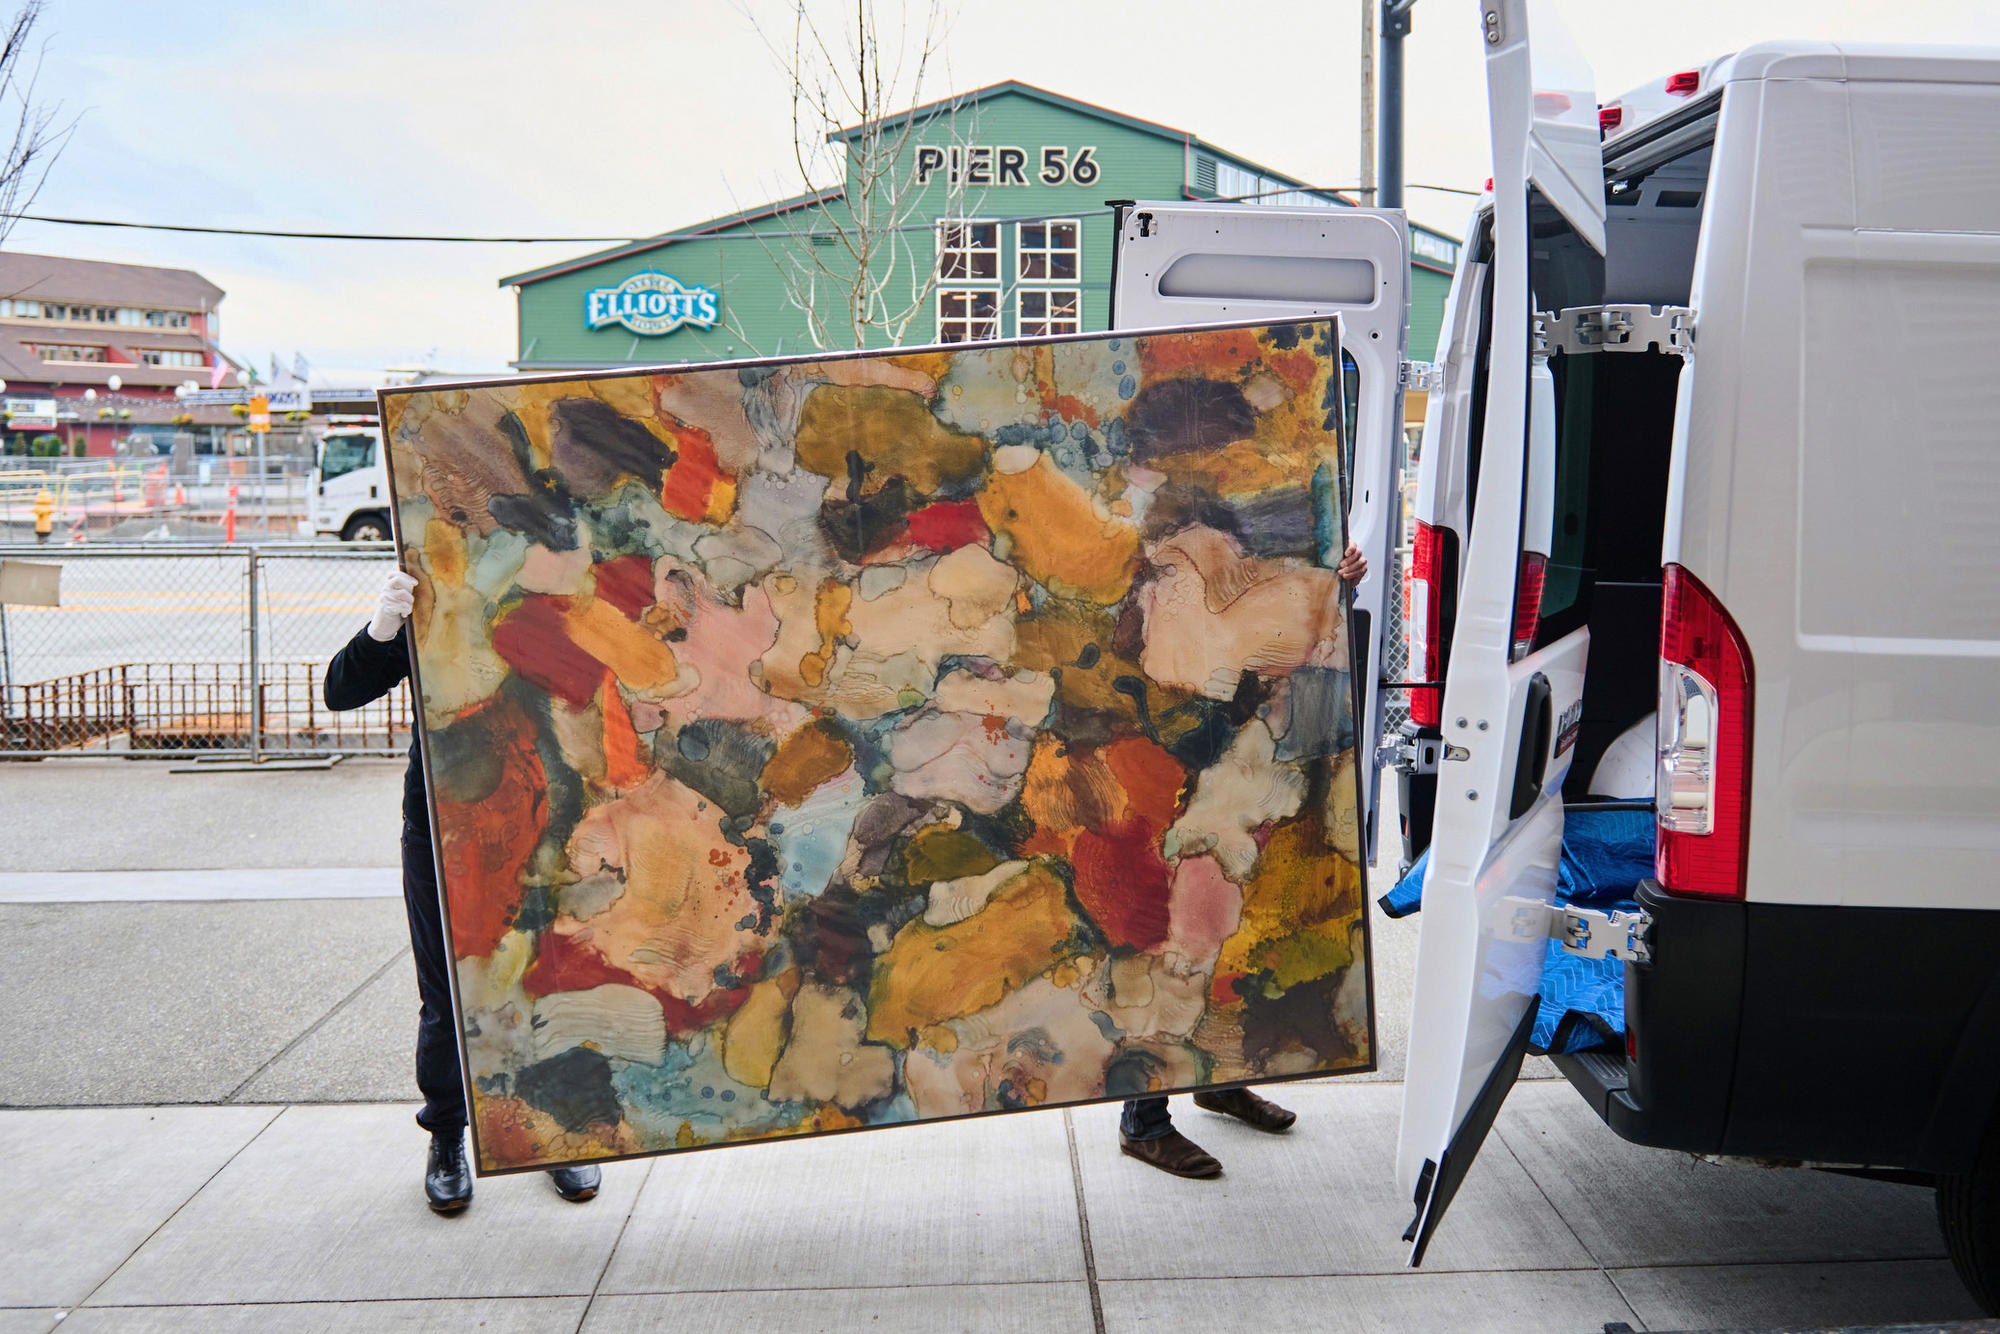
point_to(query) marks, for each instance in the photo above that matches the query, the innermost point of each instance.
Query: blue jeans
(1146, 1118)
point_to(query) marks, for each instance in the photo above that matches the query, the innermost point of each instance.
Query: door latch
(1616, 328)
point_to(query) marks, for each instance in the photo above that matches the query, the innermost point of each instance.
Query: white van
(1716, 455)
(350, 482)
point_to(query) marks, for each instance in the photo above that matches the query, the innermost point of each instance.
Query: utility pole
(1389, 175)
(1368, 103)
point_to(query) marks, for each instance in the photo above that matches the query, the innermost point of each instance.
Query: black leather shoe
(1248, 1108)
(448, 1177)
(1172, 1152)
(576, 1184)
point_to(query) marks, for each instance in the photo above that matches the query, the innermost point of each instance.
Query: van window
(343, 454)
(1565, 273)
(1350, 392)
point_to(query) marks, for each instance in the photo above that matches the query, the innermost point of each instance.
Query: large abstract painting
(826, 744)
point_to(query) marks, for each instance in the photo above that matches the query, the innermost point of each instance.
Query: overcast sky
(628, 117)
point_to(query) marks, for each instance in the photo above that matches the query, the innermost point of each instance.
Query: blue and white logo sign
(650, 303)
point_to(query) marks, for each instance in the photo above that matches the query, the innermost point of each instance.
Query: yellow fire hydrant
(45, 511)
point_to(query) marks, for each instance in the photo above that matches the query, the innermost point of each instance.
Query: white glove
(399, 595)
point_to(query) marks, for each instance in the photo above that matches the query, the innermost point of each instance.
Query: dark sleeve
(365, 670)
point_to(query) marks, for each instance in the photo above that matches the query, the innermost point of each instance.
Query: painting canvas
(821, 744)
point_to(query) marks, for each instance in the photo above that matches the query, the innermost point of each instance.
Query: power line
(661, 238)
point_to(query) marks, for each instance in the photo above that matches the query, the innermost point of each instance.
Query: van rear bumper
(1823, 1033)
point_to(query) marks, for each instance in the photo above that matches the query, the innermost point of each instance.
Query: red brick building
(70, 328)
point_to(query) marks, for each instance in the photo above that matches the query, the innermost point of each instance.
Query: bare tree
(871, 268)
(38, 137)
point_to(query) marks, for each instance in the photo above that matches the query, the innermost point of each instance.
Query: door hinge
(1597, 934)
(1616, 328)
(1422, 376)
(1591, 933)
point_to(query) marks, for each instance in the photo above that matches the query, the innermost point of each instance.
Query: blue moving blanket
(1605, 854)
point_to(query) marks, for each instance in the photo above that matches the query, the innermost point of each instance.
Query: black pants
(1146, 1118)
(437, 1029)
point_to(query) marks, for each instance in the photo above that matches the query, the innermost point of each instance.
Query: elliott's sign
(650, 303)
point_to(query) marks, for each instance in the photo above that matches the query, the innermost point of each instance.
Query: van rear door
(1180, 263)
(1514, 680)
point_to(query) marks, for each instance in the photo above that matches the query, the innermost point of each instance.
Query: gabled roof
(99, 282)
(946, 105)
(810, 199)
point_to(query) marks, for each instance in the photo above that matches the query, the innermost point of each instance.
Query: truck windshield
(342, 454)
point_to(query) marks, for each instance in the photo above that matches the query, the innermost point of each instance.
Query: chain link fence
(1395, 650)
(170, 651)
(156, 651)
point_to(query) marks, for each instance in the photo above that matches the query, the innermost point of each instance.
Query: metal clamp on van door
(1422, 376)
(1596, 934)
(1618, 328)
(1589, 932)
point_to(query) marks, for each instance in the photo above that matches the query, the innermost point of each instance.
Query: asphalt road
(187, 606)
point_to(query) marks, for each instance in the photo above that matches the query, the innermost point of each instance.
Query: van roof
(1871, 62)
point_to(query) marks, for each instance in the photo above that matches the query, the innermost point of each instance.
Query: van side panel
(1899, 477)
(1782, 165)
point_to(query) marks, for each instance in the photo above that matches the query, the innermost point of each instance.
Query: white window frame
(968, 279)
(1047, 287)
(1073, 323)
(967, 286)
(1048, 251)
(970, 292)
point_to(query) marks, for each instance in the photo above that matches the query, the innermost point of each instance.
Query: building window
(68, 352)
(31, 310)
(968, 314)
(1048, 310)
(1048, 251)
(969, 252)
(165, 356)
(968, 295)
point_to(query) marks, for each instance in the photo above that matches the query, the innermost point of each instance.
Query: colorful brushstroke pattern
(820, 745)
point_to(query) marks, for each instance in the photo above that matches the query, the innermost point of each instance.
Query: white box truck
(1711, 469)
(349, 495)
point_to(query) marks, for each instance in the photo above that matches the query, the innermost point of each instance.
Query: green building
(982, 216)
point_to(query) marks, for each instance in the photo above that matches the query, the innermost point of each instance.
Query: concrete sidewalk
(196, 1147)
(312, 1217)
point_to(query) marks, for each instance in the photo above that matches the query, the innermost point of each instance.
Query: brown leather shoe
(1248, 1108)
(1172, 1152)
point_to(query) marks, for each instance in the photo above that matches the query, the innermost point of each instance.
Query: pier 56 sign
(650, 303)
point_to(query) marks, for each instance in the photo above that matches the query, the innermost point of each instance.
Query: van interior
(1613, 438)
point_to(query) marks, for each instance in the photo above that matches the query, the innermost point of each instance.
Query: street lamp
(115, 384)
(90, 395)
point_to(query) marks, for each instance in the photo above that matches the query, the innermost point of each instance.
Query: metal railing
(170, 651)
(96, 499)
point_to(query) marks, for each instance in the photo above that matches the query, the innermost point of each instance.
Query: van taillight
(1685, 83)
(1608, 118)
(1423, 614)
(1701, 793)
(1528, 601)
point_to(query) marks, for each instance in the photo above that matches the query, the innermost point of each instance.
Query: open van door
(1514, 681)
(1188, 263)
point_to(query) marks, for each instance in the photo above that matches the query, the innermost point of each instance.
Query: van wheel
(1968, 1205)
(366, 528)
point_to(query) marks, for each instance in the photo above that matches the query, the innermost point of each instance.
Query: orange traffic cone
(180, 495)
